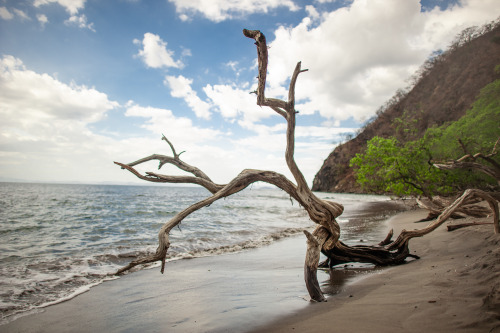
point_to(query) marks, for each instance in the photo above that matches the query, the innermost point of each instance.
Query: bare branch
(405, 236)
(260, 41)
(280, 112)
(463, 225)
(158, 178)
(291, 89)
(276, 104)
(325, 238)
(461, 143)
(163, 137)
(172, 160)
(490, 171)
(243, 180)
(462, 163)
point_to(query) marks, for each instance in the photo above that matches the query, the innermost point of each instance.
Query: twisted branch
(463, 162)
(325, 237)
(322, 212)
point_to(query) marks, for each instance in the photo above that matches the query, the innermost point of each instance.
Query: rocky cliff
(445, 88)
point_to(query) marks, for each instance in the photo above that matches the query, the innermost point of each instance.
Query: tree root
(396, 252)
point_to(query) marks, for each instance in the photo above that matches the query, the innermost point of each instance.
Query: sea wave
(57, 241)
(48, 282)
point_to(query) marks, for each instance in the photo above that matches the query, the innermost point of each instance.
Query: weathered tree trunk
(325, 237)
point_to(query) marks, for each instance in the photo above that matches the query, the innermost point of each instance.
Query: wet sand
(225, 293)
(454, 287)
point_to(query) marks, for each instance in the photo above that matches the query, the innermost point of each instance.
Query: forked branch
(325, 237)
(322, 212)
(469, 161)
(284, 108)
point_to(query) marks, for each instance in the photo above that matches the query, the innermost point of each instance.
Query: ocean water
(56, 241)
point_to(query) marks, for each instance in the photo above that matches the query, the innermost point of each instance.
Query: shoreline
(454, 287)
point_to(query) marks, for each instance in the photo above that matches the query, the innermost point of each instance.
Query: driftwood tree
(470, 161)
(468, 207)
(325, 237)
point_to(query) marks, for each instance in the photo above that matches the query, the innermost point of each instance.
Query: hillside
(446, 87)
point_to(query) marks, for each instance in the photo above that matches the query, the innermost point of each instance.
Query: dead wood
(438, 204)
(470, 161)
(464, 225)
(325, 237)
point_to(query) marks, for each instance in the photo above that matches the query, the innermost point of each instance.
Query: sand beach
(454, 287)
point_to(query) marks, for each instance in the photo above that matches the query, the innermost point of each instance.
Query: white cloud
(42, 19)
(441, 26)
(80, 21)
(71, 6)
(40, 97)
(204, 146)
(233, 65)
(163, 121)
(234, 103)
(186, 52)
(364, 52)
(44, 123)
(220, 10)
(266, 149)
(6, 14)
(312, 12)
(180, 87)
(155, 53)
(22, 15)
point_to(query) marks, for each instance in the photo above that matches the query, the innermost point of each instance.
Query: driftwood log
(325, 238)
(463, 225)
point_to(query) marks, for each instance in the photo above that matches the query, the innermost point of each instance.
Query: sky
(84, 83)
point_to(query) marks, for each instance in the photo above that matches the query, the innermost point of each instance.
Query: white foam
(78, 291)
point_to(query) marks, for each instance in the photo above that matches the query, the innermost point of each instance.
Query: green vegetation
(402, 164)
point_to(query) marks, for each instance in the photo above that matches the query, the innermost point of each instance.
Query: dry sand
(454, 287)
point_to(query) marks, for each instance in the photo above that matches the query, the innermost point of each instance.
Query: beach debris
(325, 237)
(463, 225)
(436, 205)
(469, 206)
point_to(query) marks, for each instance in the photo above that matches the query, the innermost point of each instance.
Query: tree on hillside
(444, 88)
(403, 164)
(403, 169)
(325, 237)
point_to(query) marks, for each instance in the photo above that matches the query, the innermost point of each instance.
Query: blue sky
(84, 83)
